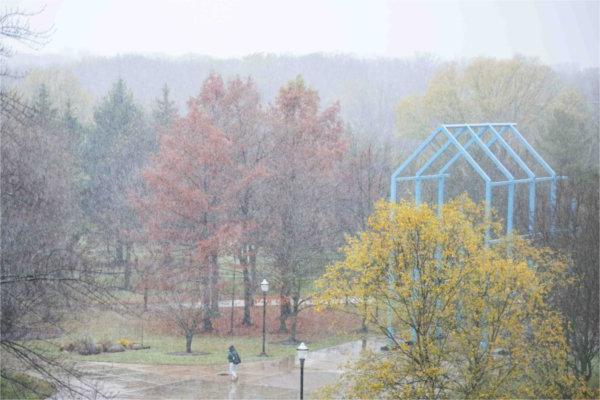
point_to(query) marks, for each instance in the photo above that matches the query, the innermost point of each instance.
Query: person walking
(234, 359)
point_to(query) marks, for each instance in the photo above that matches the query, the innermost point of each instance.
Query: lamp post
(264, 286)
(302, 352)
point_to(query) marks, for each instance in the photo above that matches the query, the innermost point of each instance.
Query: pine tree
(115, 151)
(70, 121)
(165, 109)
(43, 106)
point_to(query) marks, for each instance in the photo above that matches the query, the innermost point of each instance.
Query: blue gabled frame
(475, 132)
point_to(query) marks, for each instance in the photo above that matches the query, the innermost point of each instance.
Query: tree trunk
(232, 303)
(295, 309)
(282, 326)
(206, 299)
(247, 320)
(214, 283)
(188, 341)
(363, 327)
(294, 319)
(145, 297)
(207, 322)
(127, 268)
(284, 310)
(253, 280)
(119, 253)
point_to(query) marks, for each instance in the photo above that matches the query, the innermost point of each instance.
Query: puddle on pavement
(199, 389)
(268, 379)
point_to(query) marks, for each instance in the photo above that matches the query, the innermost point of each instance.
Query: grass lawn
(108, 325)
(23, 386)
(216, 347)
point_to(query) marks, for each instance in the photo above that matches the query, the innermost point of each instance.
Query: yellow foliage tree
(517, 90)
(478, 313)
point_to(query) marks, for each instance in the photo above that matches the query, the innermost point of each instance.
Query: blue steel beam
(547, 168)
(390, 329)
(506, 173)
(532, 151)
(530, 174)
(467, 156)
(438, 153)
(527, 180)
(422, 177)
(482, 124)
(440, 194)
(417, 191)
(511, 181)
(512, 153)
(467, 145)
(552, 200)
(488, 210)
(531, 210)
(490, 155)
(415, 153)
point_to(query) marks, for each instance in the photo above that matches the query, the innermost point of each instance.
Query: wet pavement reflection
(269, 379)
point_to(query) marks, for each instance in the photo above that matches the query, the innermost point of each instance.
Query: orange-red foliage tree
(186, 210)
(236, 110)
(305, 147)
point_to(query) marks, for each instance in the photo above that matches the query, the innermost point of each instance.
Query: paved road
(269, 379)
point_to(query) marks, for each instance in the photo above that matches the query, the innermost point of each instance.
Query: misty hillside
(368, 89)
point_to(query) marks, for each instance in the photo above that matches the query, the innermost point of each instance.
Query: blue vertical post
(552, 205)
(418, 191)
(488, 210)
(415, 277)
(510, 208)
(531, 224)
(440, 194)
(438, 250)
(573, 212)
(488, 216)
(415, 274)
(390, 328)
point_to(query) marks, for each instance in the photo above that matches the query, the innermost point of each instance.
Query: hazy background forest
(143, 195)
(368, 89)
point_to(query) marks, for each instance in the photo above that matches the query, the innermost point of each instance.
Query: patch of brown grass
(311, 325)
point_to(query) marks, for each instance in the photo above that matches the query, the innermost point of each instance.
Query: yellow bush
(125, 342)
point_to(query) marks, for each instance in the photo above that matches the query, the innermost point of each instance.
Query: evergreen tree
(70, 121)
(165, 110)
(43, 105)
(115, 151)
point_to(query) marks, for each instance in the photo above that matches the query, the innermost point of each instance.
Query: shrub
(104, 345)
(68, 346)
(125, 343)
(87, 347)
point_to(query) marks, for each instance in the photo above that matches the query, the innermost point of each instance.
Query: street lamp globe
(264, 286)
(302, 351)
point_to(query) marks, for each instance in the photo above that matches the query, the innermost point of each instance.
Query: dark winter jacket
(233, 356)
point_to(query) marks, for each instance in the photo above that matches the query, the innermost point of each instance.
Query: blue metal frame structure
(475, 132)
(455, 150)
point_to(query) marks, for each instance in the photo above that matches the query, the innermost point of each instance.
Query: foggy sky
(558, 32)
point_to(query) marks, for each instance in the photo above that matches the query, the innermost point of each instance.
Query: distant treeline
(368, 89)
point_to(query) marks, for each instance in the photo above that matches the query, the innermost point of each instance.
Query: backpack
(236, 358)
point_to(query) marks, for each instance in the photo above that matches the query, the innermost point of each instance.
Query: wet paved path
(269, 379)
